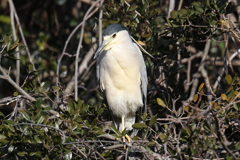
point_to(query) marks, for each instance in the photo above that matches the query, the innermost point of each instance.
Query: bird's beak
(102, 47)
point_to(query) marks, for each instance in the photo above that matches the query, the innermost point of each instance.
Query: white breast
(120, 78)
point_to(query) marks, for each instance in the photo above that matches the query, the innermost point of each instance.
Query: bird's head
(113, 34)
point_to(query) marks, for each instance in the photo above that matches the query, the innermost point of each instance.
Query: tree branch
(8, 78)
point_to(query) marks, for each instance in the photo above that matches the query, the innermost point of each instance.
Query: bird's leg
(123, 127)
(123, 138)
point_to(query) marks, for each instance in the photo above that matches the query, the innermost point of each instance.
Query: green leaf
(111, 21)
(5, 19)
(3, 138)
(114, 129)
(152, 144)
(1, 114)
(56, 88)
(13, 58)
(174, 14)
(15, 93)
(32, 153)
(30, 67)
(132, 8)
(124, 132)
(231, 94)
(195, 98)
(22, 154)
(149, 149)
(38, 154)
(68, 155)
(223, 96)
(198, 6)
(153, 120)
(229, 89)
(25, 115)
(147, 35)
(9, 124)
(37, 139)
(144, 115)
(236, 107)
(234, 79)
(94, 122)
(228, 79)
(38, 103)
(139, 125)
(46, 119)
(163, 136)
(237, 145)
(40, 119)
(166, 126)
(183, 11)
(133, 16)
(161, 102)
(46, 146)
(14, 45)
(162, 26)
(167, 20)
(200, 87)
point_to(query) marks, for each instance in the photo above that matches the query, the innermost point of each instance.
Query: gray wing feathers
(97, 70)
(144, 83)
(98, 73)
(144, 80)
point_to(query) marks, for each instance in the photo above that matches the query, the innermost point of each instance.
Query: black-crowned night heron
(122, 75)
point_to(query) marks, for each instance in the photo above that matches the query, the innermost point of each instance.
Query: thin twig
(180, 4)
(100, 24)
(8, 78)
(225, 64)
(220, 136)
(12, 13)
(64, 50)
(80, 151)
(134, 10)
(197, 75)
(82, 67)
(78, 49)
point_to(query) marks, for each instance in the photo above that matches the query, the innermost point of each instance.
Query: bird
(122, 76)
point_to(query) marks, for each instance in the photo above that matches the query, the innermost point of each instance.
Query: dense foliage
(193, 93)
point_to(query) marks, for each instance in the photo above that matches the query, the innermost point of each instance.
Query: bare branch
(66, 44)
(171, 7)
(197, 75)
(12, 13)
(79, 47)
(8, 78)
(83, 66)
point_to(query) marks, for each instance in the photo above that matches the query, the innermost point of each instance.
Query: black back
(116, 27)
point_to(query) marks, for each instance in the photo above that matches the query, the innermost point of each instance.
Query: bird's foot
(124, 140)
(128, 138)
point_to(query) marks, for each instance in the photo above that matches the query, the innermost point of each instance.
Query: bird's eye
(114, 35)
